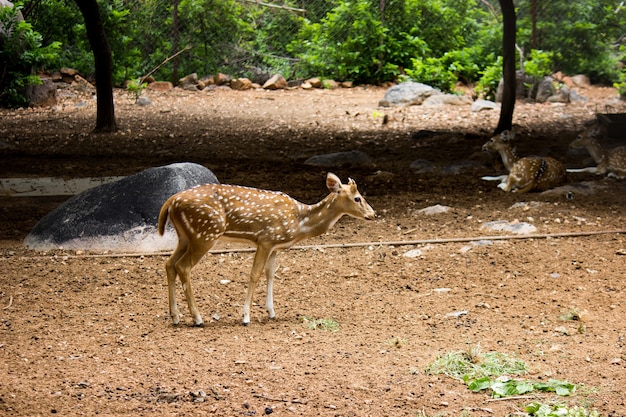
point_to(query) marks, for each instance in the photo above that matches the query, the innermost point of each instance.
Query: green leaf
(479, 384)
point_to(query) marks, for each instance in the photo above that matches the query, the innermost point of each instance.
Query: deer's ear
(333, 182)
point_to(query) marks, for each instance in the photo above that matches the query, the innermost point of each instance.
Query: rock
(315, 82)
(522, 81)
(436, 209)
(42, 95)
(118, 216)
(562, 96)
(545, 89)
(480, 105)
(407, 93)
(186, 81)
(143, 101)
(160, 86)
(241, 84)
(277, 82)
(574, 97)
(581, 81)
(422, 166)
(413, 253)
(222, 79)
(446, 100)
(460, 167)
(519, 228)
(207, 80)
(294, 83)
(306, 85)
(330, 84)
(340, 159)
(68, 71)
(346, 84)
(82, 84)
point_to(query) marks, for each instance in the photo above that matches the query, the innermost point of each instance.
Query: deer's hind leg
(261, 257)
(270, 268)
(170, 269)
(192, 255)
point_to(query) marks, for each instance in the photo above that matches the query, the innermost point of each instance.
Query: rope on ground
(375, 244)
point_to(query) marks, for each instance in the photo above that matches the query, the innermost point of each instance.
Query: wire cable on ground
(367, 244)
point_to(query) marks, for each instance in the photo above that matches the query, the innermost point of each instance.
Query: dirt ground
(87, 334)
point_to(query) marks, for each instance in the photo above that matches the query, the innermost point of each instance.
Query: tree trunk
(105, 116)
(508, 66)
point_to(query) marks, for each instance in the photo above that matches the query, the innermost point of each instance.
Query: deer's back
(616, 158)
(240, 212)
(543, 172)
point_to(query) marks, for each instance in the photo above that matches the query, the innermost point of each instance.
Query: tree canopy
(438, 42)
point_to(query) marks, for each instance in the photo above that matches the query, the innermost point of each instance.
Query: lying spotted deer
(531, 173)
(269, 219)
(610, 161)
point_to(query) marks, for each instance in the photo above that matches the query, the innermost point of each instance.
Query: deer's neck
(509, 158)
(596, 151)
(317, 219)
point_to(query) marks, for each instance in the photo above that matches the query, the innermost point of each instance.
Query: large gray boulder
(407, 94)
(118, 216)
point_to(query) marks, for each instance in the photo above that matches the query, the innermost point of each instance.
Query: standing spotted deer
(610, 161)
(269, 219)
(531, 173)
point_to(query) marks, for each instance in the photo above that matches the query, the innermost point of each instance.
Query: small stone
(221, 79)
(277, 82)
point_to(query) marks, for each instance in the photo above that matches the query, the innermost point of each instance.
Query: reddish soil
(86, 334)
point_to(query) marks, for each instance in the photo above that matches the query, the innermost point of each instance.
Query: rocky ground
(89, 333)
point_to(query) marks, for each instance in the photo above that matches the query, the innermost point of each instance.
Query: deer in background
(611, 161)
(531, 173)
(271, 220)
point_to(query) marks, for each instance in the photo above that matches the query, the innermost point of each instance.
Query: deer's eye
(357, 199)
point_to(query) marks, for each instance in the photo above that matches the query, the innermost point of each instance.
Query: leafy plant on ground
(473, 364)
(536, 409)
(489, 371)
(328, 325)
(506, 387)
(487, 85)
(135, 88)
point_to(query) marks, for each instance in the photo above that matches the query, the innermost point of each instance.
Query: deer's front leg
(260, 260)
(270, 268)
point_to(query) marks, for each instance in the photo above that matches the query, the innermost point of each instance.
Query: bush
(487, 85)
(21, 54)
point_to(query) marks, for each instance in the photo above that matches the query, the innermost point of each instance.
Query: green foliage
(439, 42)
(135, 88)
(540, 64)
(506, 387)
(444, 72)
(536, 409)
(432, 71)
(487, 85)
(582, 31)
(472, 364)
(346, 45)
(328, 325)
(21, 54)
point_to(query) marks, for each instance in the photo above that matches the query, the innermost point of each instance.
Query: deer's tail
(163, 215)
